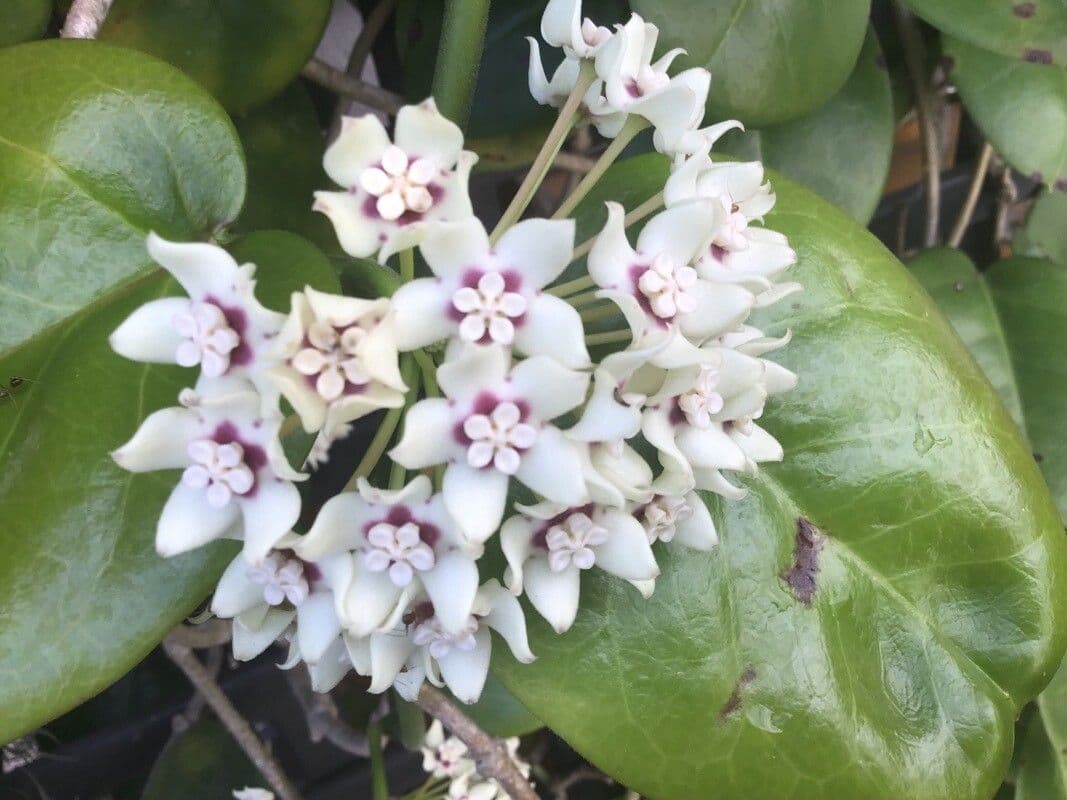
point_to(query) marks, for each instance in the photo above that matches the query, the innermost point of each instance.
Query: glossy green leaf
(283, 145)
(78, 532)
(940, 571)
(203, 762)
(22, 20)
(1029, 29)
(1014, 321)
(1021, 108)
(114, 144)
(771, 60)
(841, 150)
(243, 52)
(1045, 233)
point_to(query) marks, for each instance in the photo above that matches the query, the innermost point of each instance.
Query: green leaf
(500, 713)
(1028, 29)
(114, 144)
(201, 762)
(1014, 321)
(285, 263)
(1045, 234)
(940, 571)
(841, 150)
(1020, 107)
(1041, 764)
(23, 20)
(771, 60)
(243, 52)
(78, 532)
(283, 145)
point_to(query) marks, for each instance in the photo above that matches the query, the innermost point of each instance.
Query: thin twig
(971, 202)
(372, 28)
(237, 725)
(1009, 195)
(85, 18)
(323, 719)
(490, 755)
(914, 57)
(213, 633)
(318, 71)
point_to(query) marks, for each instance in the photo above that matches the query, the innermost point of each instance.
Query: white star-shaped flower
(486, 294)
(400, 542)
(657, 287)
(266, 596)
(393, 187)
(420, 647)
(220, 327)
(337, 359)
(635, 84)
(235, 482)
(547, 546)
(444, 756)
(492, 424)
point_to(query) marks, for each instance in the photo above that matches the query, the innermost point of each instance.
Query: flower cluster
(579, 450)
(446, 758)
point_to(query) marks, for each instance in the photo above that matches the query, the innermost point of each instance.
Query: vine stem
(490, 755)
(914, 58)
(85, 18)
(547, 154)
(339, 81)
(570, 287)
(379, 782)
(634, 125)
(459, 55)
(361, 49)
(609, 337)
(960, 229)
(322, 717)
(231, 718)
(390, 422)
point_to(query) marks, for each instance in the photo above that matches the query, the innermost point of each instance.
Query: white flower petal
(235, 593)
(720, 307)
(758, 445)
(371, 598)
(160, 442)
(359, 145)
(254, 632)
(357, 233)
(709, 447)
(516, 544)
(421, 314)
(698, 529)
(553, 469)
(268, 515)
(658, 430)
(626, 552)
(428, 437)
(149, 335)
(201, 268)
(472, 370)
(451, 586)
(538, 249)
(612, 257)
(337, 528)
(552, 327)
(550, 388)
(317, 625)
(681, 232)
(475, 498)
(554, 594)
(604, 418)
(464, 672)
(188, 521)
(332, 666)
(506, 618)
(388, 653)
(452, 248)
(423, 132)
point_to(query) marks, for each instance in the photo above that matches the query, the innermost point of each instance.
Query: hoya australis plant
(686, 467)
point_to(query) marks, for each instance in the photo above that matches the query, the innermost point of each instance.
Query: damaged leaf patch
(803, 577)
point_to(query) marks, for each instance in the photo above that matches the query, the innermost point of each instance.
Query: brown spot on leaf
(1061, 184)
(1037, 177)
(1038, 458)
(733, 702)
(1024, 10)
(803, 576)
(1035, 56)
